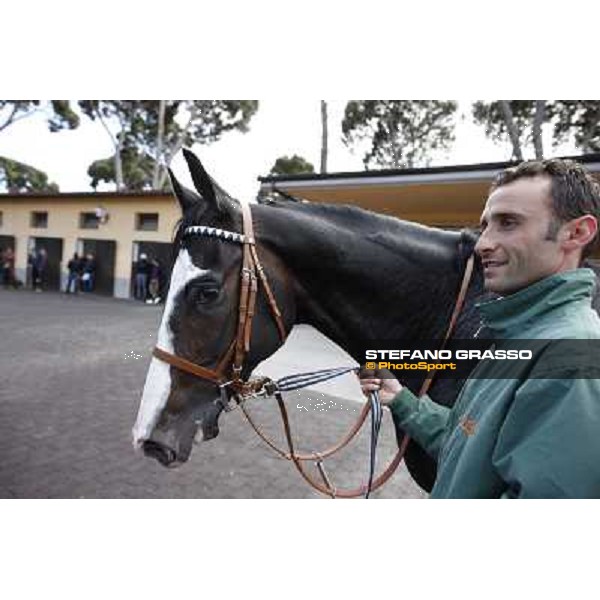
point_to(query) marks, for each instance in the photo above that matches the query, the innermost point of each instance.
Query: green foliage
(146, 139)
(577, 121)
(400, 133)
(137, 170)
(18, 177)
(291, 165)
(490, 116)
(59, 113)
(574, 121)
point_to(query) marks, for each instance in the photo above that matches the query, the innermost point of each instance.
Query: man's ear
(580, 232)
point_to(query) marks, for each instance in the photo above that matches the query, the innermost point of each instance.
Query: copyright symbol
(371, 365)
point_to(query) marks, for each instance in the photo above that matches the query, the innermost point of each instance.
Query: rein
(251, 274)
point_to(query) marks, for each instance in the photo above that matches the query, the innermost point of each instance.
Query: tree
(291, 165)
(134, 169)
(401, 133)
(59, 113)
(522, 121)
(519, 121)
(17, 177)
(577, 121)
(147, 134)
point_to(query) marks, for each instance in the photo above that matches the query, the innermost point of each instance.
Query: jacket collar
(511, 313)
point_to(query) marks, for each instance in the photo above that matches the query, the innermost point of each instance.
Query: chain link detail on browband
(221, 234)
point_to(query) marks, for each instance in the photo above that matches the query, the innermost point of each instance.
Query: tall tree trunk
(171, 151)
(159, 145)
(323, 136)
(539, 118)
(119, 161)
(116, 140)
(513, 134)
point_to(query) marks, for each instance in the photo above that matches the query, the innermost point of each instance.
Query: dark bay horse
(352, 274)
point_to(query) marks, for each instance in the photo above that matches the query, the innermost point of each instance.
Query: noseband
(251, 273)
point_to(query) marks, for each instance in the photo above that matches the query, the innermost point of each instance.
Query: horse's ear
(202, 181)
(187, 198)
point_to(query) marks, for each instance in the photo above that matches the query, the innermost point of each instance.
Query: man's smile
(489, 265)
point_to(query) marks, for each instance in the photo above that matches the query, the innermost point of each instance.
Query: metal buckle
(270, 387)
(224, 400)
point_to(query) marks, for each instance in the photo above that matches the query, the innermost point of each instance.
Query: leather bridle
(252, 273)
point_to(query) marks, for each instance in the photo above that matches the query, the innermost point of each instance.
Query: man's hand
(381, 381)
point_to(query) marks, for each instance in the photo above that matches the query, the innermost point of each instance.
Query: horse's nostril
(164, 455)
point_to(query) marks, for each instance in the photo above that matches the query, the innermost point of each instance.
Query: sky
(280, 127)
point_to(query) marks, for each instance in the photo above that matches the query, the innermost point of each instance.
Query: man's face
(514, 247)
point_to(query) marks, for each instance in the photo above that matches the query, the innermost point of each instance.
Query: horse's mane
(384, 231)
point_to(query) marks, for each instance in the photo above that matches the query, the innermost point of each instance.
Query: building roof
(451, 173)
(442, 196)
(96, 195)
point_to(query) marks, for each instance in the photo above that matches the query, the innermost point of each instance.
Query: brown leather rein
(252, 272)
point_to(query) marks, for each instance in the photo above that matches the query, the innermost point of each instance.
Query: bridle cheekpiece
(251, 274)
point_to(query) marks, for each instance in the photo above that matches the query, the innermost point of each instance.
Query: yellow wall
(63, 222)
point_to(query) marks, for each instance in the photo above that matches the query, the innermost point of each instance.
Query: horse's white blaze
(158, 380)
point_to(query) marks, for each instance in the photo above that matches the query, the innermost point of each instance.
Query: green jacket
(536, 435)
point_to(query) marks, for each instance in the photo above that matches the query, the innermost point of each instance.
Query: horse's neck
(361, 276)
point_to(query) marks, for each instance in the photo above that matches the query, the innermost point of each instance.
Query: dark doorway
(104, 252)
(155, 250)
(54, 248)
(7, 241)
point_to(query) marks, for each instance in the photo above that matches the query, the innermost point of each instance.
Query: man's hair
(574, 192)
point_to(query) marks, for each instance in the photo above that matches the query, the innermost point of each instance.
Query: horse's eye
(203, 294)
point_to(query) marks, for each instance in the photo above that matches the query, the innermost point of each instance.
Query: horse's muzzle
(163, 454)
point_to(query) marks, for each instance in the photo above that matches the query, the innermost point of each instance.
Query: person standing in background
(142, 271)
(74, 267)
(40, 263)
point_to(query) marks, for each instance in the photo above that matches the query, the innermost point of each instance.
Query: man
(7, 262)
(39, 269)
(536, 435)
(142, 270)
(88, 277)
(74, 268)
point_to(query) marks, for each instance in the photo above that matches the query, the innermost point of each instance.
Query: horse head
(200, 323)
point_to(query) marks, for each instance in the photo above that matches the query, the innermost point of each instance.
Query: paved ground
(71, 373)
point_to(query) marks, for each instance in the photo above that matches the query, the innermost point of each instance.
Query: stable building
(449, 197)
(115, 227)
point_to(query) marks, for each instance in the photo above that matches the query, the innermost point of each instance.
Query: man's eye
(507, 223)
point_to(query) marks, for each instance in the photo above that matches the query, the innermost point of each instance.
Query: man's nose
(486, 242)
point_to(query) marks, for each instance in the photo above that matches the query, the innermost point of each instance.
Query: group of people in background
(148, 275)
(148, 280)
(37, 263)
(82, 274)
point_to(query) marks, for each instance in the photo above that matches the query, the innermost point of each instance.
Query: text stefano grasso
(489, 354)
